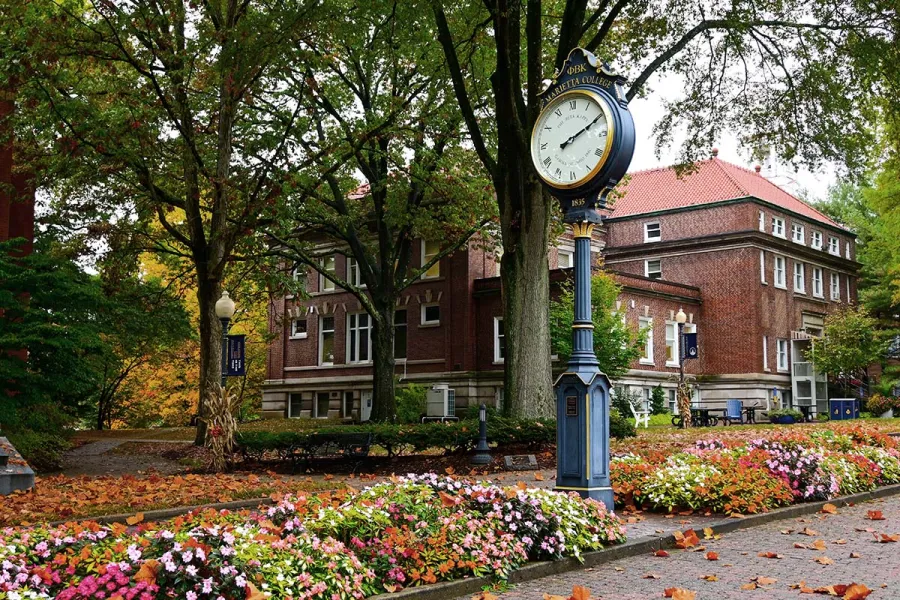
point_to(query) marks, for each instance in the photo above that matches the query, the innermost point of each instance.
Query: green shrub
(621, 400)
(658, 405)
(460, 436)
(620, 427)
(43, 451)
(411, 403)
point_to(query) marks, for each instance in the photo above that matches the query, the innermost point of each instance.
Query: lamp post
(684, 404)
(482, 451)
(224, 310)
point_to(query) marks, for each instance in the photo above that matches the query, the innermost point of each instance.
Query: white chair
(640, 416)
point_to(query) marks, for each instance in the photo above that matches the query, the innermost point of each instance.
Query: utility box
(440, 401)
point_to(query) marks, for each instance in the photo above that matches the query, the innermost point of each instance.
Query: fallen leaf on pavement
(854, 555)
(685, 540)
(886, 539)
(809, 532)
(765, 580)
(749, 586)
(135, 519)
(830, 509)
(874, 515)
(800, 545)
(819, 545)
(856, 591)
(709, 578)
(769, 555)
(823, 560)
(661, 553)
(538, 476)
(484, 596)
(712, 555)
(580, 592)
(680, 594)
(839, 542)
(651, 576)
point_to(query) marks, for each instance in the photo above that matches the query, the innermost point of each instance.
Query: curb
(168, 513)
(449, 590)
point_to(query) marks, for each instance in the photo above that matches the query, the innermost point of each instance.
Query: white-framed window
(778, 227)
(431, 314)
(359, 338)
(848, 290)
(297, 273)
(847, 250)
(834, 245)
(816, 241)
(781, 349)
(653, 269)
(295, 405)
(765, 353)
(646, 324)
(499, 340)
(798, 233)
(565, 259)
(673, 403)
(322, 405)
(671, 344)
(762, 220)
(652, 232)
(817, 287)
(430, 249)
(325, 284)
(298, 328)
(762, 266)
(780, 275)
(400, 331)
(835, 286)
(326, 341)
(354, 277)
(799, 278)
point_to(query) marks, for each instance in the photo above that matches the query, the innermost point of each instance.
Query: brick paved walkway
(877, 567)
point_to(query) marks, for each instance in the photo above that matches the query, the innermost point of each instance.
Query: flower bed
(743, 472)
(409, 531)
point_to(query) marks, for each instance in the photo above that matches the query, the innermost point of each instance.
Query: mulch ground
(196, 459)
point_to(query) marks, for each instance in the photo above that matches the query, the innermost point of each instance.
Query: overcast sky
(648, 111)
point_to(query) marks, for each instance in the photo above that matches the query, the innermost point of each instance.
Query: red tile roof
(713, 180)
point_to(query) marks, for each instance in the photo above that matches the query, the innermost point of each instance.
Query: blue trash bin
(843, 409)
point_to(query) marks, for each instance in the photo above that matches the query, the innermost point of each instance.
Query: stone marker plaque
(521, 462)
(15, 474)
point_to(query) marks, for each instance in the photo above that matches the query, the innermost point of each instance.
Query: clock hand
(572, 139)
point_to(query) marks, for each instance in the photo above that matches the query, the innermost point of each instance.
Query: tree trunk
(384, 404)
(525, 223)
(210, 348)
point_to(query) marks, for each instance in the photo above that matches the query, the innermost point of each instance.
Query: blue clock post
(582, 144)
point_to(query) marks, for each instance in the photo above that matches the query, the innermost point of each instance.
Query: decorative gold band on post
(582, 230)
(579, 326)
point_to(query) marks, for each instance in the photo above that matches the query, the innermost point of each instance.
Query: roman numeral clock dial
(572, 139)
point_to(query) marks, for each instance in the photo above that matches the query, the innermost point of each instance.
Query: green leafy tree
(69, 339)
(658, 404)
(850, 344)
(171, 124)
(796, 76)
(615, 344)
(419, 182)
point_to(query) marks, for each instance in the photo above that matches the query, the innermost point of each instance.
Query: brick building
(755, 269)
(16, 192)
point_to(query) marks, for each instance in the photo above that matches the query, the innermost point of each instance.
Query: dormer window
(798, 233)
(652, 232)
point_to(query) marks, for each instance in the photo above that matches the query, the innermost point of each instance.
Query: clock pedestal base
(582, 392)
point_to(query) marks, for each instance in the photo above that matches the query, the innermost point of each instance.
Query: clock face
(571, 139)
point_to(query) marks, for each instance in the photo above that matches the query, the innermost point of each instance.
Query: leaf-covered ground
(59, 497)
